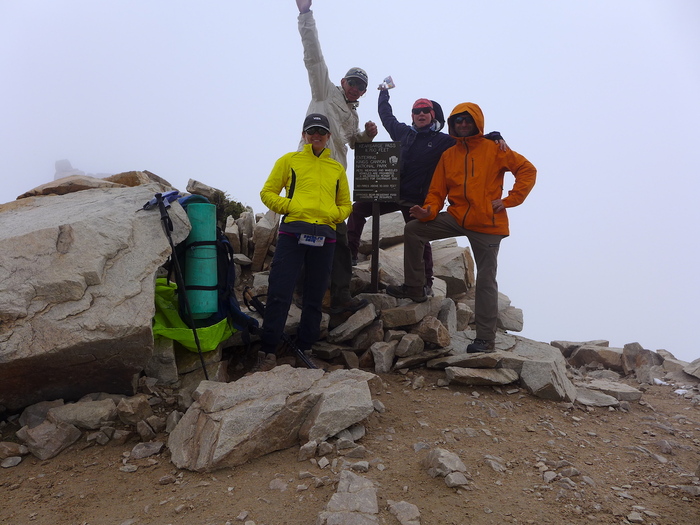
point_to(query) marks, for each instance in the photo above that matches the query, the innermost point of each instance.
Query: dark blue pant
(289, 258)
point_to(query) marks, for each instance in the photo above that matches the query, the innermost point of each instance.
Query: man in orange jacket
(470, 176)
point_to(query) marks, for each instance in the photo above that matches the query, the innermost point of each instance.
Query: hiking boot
(481, 345)
(428, 290)
(265, 362)
(353, 304)
(414, 293)
(354, 261)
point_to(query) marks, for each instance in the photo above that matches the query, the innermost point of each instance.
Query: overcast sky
(601, 95)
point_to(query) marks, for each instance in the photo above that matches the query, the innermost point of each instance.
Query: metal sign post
(376, 181)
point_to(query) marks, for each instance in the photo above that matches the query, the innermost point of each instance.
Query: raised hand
(304, 6)
(371, 129)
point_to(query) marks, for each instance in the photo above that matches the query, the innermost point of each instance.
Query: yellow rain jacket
(316, 188)
(470, 175)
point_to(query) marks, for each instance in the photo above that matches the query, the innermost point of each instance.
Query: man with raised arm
(339, 104)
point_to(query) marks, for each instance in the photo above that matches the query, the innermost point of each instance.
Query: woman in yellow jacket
(317, 197)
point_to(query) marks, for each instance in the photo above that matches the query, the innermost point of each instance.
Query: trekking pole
(179, 280)
(254, 304)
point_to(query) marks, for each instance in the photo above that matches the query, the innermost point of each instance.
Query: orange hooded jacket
(470, 175)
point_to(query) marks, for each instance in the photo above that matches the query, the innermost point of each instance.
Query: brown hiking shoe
(481, 345)
(414, 293)
(353, 304)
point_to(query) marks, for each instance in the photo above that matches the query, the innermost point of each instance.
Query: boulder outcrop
(76, 294)
(231, 423)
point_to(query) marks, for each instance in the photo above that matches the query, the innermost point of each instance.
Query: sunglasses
(316, 130)
(353, 82)
(418, 111)
(459, 120)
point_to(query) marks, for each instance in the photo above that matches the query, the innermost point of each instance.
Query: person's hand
(304, 5)
(419, 213)
(382, 87)
(502, 145)
(371, 129)
(498, 206)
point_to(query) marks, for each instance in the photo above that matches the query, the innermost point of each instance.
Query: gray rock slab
(35, 414)
(693, 369)
(510, 318)
(480, 360)
(454, 265)
(480, 376)
(406, 513)
(418, 359)
(162, 364)
(595, 398)
(355, 323)
(381, 301)
(76, 303)
(233, 234)
(327, 351)
(448, 315)
(391, 227)
(548, 380)
(374, 333)
(49, 439)
(11, 449)
(199, 188)
(89, 415)
(464, 316)
(346, 518)
(264, 234)
(635, 356)
(521, 350)
(603, 374)
(70, 184)
(568, 347)
(431, 330)
(441, 462)
(671, 364)
(619, 391)
(231, 423)
(383, 354)
(354, 494)
(410, 344)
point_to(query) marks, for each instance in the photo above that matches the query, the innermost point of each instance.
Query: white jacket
(327, 98)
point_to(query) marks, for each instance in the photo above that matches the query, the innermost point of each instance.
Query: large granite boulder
(231, 423)
(76, 295)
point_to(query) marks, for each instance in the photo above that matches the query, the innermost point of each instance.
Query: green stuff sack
(167, 322)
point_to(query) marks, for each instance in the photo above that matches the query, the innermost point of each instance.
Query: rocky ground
(528, 460)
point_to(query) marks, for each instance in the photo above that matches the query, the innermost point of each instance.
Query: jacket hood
(466, 107)
(439, 116)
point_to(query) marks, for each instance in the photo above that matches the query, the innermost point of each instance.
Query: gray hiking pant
(485, 249)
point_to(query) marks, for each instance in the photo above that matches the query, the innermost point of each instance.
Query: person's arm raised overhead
(319, 80)
(304, 6)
